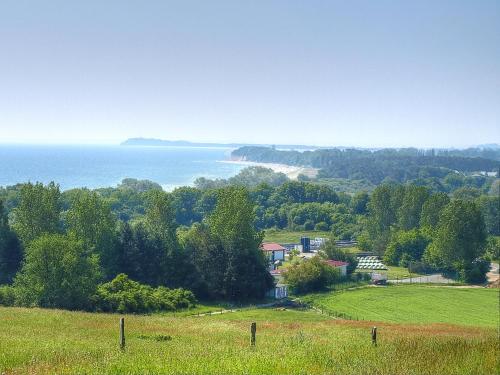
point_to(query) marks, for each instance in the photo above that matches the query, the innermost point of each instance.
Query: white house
(273, 251)
(280, 290)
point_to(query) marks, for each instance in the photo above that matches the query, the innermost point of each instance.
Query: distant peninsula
(161, 142)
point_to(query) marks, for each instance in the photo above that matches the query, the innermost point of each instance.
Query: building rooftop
(271, 246)
(336, 263)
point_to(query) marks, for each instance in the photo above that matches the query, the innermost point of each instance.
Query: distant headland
(161, 142)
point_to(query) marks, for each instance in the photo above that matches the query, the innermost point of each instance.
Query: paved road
(493, 274)
(433, 279)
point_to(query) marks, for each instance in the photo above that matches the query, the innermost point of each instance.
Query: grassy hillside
(415, 304)
(288, 342)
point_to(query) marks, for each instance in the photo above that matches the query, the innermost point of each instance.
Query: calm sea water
(102, 166)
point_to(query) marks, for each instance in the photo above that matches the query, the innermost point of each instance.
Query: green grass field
(37, 341)
(415, 304)
(393, 272)
(285, 236)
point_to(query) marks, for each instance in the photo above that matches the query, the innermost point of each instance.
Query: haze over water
(103, 166)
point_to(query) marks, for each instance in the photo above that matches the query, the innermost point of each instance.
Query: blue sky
(354, 73)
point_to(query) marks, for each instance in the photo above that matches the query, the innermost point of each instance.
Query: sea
(106, 166)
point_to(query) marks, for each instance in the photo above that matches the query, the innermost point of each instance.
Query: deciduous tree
(57, 273)
(38, 211)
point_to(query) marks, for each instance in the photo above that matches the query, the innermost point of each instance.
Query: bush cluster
(127, 296)
(311, 275)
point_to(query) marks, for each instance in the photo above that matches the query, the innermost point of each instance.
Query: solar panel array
(370, 263)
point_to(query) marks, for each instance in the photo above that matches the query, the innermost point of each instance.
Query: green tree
(209, 259)
(459, 242)
(359, 203)
(405, 247)
(147, 260)
(38, 211)
(493, 248)
(57, 273)
(431, 210)
(490, 207)
(233, 218)
(11, 253)
(411, 208)
(467, 193)
(329, 250)
(310, 275)
(232, 225)
(162, 240)
(160, 219)
(185, 201)
(252, 176)
(90, 220)
(382, 215)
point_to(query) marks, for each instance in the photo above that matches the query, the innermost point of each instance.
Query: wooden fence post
(122, 333)
(374, 336)
(253, 330)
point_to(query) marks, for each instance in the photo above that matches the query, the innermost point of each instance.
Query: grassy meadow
(415, 304)
(38, 341)
(393, 272)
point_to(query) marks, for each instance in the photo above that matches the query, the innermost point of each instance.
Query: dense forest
(423, 167)
(135, 247)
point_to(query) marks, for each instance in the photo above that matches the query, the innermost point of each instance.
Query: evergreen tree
(128, 256)
(11, 253)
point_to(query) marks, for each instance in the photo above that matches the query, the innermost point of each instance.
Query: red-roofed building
(338, 264)
(273, 251)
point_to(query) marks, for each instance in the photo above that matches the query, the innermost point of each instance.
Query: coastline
(291, 171)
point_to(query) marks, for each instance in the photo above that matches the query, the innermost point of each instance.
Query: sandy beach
(292, 172)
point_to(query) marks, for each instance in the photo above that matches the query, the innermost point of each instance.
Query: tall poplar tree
(38, 211)
(232, 224)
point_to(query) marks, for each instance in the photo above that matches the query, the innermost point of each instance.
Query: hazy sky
(355, 73)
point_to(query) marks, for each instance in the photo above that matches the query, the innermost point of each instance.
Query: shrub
(310, 275)
(127, 296)
(308, 225)
(493, 247)
(7, 295)
(476, 272)
(405, 247)
(322, 226)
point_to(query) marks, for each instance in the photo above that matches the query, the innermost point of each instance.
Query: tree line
(84, 257)
(396, 165)
(410, 226)
(207, 240)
